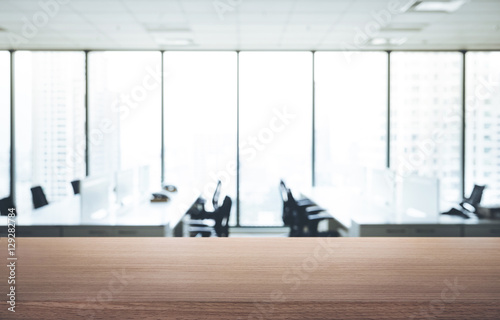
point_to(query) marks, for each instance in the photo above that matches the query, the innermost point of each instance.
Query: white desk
(352, 217)
(146, 219)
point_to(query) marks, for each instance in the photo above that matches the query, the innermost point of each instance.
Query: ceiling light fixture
(403, 27)
(378, 41)
(174, 42)
(388, 41)
(173, 37)
(398, 41)
(405, 7)
(438, 6)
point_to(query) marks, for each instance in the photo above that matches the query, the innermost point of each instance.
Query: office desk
(354, 218)
(444, 226)
(143, 219)
(243, 278)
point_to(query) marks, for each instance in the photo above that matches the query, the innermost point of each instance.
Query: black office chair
(304, 202)
(76, 186)
(39, 199)
(221, 217)
(207, 223)
(468, 206)
(216, 196)
(198, 215)
(6, 204)
(303, 219)
(474, 200)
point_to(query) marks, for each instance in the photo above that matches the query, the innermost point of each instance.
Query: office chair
(468, 206)
(215, 198)
(301, 203)
(204, 223)
(6, 204)
(39, 199)
(303, 219)
(76, 186)
(472, 202)
(221, 217)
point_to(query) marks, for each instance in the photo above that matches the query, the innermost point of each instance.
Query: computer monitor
(143, 183)
(95, 200)
(381, 187)
(420, 198)
(125, 187)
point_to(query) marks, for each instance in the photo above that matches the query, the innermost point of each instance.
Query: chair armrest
(314, 209)
(202, 222)
(319, 216)
(305, 202)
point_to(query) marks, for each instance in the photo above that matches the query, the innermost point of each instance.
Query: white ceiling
(246, 25)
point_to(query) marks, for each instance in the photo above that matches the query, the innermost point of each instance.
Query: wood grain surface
(254, 278)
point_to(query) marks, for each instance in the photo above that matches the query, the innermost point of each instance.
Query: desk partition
(420, 199)
(95, 198)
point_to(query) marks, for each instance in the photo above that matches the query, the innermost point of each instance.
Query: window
(482, 158)
(275, 130)
(50, 123)
(125, 112)
(432, 114)
(4, 124)
(200, 121)
(351, 115)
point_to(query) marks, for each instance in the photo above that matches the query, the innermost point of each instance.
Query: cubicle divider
(420, 199)
(95, 198)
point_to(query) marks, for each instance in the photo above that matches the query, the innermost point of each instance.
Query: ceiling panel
(245, 24)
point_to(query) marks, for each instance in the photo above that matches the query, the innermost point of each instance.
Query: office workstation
(128, 128)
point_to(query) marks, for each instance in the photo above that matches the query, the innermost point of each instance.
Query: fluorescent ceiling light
(398, 41)
(378, 41)
(405, 7)
(172, 37)
(174, 42)
(438, 6)
(390, 41)
(403, 27)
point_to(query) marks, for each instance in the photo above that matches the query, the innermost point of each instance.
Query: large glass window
(275, 130)
(351, 115)
(125, 112)
(483, 124)
(50, 123)
(426, 117)
(200, 121)
(4, 124)
(275, 91)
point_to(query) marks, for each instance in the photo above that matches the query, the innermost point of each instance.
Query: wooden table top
(254, 278)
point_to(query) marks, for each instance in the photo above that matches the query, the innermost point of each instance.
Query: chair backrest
(76, 186)
(39, 199)
(283, 191)
(215, 198)
(289, 204)
(476, 196)
(221, 216)
(294, 216)
(471, 203)
(6, 204)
